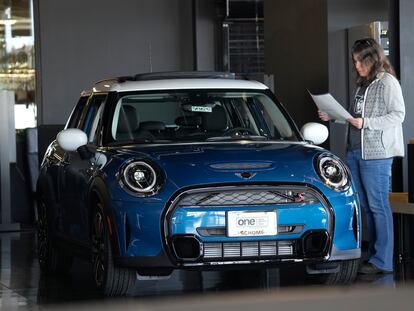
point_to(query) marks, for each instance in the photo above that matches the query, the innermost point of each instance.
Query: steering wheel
(239, 131)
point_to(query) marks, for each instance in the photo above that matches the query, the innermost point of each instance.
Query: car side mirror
(71, 139)
(315, 132)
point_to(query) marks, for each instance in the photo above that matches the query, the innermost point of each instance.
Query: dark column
(410, 160)
(296, 53)
(406, 26)
(394, 57)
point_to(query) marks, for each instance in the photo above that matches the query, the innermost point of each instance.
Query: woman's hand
(323, 116)
(357, 122)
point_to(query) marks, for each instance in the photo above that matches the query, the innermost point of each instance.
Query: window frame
(98, 99)
(77, 112)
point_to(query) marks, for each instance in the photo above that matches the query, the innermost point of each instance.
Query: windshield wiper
(238, 137)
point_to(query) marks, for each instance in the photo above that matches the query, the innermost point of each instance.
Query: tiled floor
(22, 287)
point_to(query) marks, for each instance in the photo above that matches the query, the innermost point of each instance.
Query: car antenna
(150, 56)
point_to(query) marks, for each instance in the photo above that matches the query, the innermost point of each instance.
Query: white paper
(327, 103)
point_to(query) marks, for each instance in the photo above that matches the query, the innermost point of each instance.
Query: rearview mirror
(71, 139)
(315, 132)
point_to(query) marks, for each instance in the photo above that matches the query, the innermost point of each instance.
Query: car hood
(225, 163)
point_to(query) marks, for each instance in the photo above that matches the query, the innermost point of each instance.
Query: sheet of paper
(327, 103)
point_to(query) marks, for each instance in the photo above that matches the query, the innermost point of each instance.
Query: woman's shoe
(369, 268)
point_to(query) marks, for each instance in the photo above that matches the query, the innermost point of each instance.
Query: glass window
(198, 115)
(74, 118)
(17, 71)
(93, 115)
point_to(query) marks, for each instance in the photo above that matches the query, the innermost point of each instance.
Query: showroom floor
(23, 288)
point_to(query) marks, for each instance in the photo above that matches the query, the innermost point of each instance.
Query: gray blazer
(383, 113)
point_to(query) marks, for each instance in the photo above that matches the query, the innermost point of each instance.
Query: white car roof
(167, 84)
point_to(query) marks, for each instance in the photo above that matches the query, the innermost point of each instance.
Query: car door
(77, 175)
(55, 159)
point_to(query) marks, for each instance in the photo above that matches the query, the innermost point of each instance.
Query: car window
(197, 115)
(75, 116)
(275, 121)
(93, 115)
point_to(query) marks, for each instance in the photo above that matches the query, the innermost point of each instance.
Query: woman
(374, 138)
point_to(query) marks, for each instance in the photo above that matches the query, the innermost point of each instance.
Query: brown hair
(371, 54)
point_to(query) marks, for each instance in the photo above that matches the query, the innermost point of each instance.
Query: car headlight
(332, 171)
(141, 178)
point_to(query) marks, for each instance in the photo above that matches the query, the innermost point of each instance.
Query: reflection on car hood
(197, 164)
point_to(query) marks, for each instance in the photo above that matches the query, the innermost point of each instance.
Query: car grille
(240, 250)
(242, 196)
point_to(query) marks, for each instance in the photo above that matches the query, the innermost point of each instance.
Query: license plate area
(251, 223)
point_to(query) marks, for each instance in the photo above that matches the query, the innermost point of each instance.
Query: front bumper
(193, 229)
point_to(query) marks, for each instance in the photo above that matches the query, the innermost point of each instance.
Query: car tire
(109, 279)
(347, 273)
(51, 259)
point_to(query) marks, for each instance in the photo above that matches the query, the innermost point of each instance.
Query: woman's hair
(370, 53)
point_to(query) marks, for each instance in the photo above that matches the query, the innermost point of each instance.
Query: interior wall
(296, 53)
(207, 35)
(79, 42)
(343, 15)
(350, 13)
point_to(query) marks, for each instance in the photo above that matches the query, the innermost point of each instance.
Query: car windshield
(198, 115)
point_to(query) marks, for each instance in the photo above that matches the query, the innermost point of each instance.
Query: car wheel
(347, 273)
(109, 279)
(51, 259)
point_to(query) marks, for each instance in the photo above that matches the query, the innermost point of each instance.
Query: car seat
(215, 122)
(150, 130)
(188, 126)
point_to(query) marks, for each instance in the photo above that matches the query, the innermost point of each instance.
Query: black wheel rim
(98, 249)
(42, 233)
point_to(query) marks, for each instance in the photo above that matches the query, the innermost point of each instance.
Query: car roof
(173, 80)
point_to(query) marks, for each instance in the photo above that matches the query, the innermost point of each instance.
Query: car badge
(246, 175)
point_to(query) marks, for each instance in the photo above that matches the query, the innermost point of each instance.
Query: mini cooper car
(197, 170)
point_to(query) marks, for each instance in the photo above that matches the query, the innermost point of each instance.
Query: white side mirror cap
(71, 139)
(315, 132)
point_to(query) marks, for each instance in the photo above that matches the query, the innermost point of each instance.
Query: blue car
(192, 170)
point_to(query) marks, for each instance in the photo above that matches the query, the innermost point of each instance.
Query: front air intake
(186, 247)
(315, 243)
(242, 250)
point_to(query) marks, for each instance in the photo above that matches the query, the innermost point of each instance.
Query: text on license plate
(247, 223)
